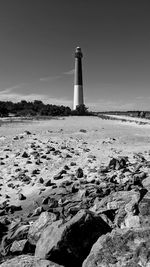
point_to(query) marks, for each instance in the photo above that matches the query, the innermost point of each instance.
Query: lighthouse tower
(78, 83)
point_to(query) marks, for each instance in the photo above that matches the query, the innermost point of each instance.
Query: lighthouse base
(78, 96)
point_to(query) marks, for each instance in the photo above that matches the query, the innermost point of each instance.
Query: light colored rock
(120, 248)
(18, 246)
(45, 219)
(132, 221)
(28, 261)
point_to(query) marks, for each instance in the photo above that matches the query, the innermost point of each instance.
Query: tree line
(38, 108)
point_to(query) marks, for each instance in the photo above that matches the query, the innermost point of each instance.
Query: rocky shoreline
(61, 207)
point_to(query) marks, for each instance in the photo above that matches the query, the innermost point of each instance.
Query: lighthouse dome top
(78, 48)
(78, 53)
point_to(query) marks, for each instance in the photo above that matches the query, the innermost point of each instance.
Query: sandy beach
(101, 139)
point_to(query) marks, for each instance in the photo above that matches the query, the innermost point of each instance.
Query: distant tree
(142, 114)
(81, 110)
(3, 109)
(37, 107)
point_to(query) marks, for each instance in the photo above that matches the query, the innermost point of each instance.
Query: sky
(37, 43)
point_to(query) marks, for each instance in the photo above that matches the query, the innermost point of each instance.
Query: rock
(144, 210)
(16, 138)
(41, 180)
(19, 246)
(144, 205)
(120, 204)
(118, 163)
(24, 178)
(132, 221)
(66, 183)
(75, 187)
(70, 243)
(49, 183)
(138, 178)
(21, 196)
(83, 131)
(25, 155)
(103, 170)
(3, 228)
(35, 230)
(38, 162)
(122, 247)
(51, 202)
(28, 261)
(13, 208)
(59, 175)
(15, 232)
(27, 132)
(66, 167)
(2, 212)
(73, 163)
(36, 171)
(37, 211)
(79, 173)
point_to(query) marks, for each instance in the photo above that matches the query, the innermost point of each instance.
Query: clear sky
(37, 43)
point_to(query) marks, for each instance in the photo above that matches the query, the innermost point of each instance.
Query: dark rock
(59, 175)
(75, 187)
(27, 132)
(73, 163)
(41, 180)
(66, 167)
(83, 130)
(21, 196)
(16, 232)
(25, 155)
(38, 162)
(24, 178)
(66, 183)
(54, 186)
(49, 183)
(79, 173)
(46, 200)
(36, 171)
(3, 229)
(51, 202)
(103, 169)
(138, 178)
(70, 243)
(13, 208)
(118, 163)
(43, 157)
(2, 212)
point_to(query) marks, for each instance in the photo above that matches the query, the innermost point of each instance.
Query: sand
(89, 149)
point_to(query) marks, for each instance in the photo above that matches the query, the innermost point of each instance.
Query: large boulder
(118, 206)
(16, 232)
(144, 210)
(70, 243)
(35, 230)
(28, 261)
(121, 248)
(118, 163)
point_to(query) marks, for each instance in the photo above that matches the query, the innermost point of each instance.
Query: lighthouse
(78, 82)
